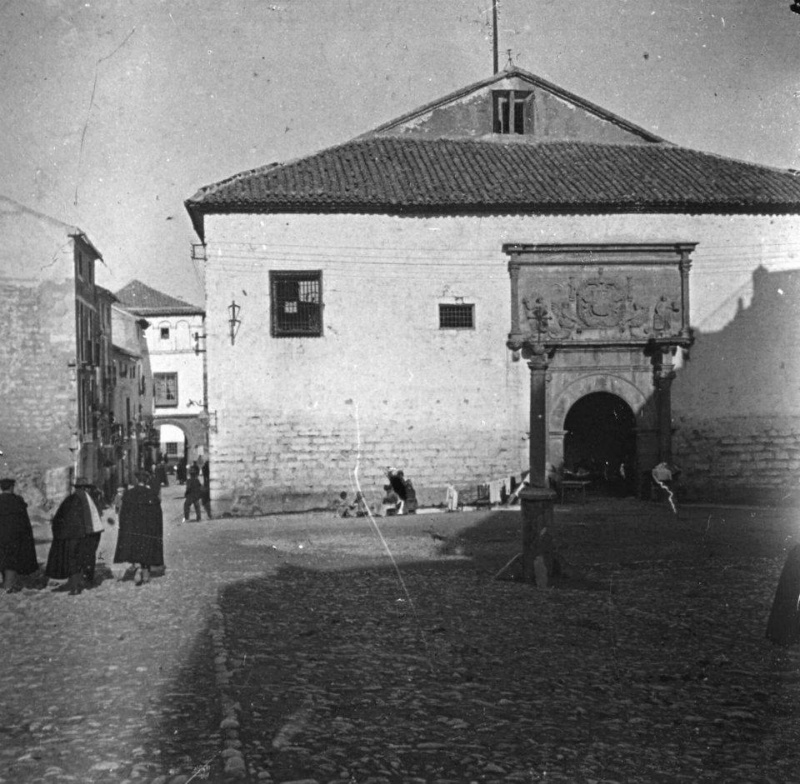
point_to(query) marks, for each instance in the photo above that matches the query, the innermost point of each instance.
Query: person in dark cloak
(205, 472)
(17, 548)
(180, 471)
(160, 473)
(405, 491)
(153, 482)
(77, 527)
(193, 495)
(783, 626)
(141, 530)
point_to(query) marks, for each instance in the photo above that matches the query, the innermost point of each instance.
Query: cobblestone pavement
(120, 682)
(307, 649)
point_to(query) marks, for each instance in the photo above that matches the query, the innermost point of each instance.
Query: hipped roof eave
(197, 211)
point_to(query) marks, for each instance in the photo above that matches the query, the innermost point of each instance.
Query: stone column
(664, 375)
(536, 500)
(685, 265)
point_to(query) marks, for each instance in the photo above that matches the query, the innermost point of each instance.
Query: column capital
(537, 356)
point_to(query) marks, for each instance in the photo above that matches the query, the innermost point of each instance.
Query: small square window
(296, 304)
(456, 316)
(164, 333)
(511, 111)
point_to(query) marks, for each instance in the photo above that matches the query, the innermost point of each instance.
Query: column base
(538, 548)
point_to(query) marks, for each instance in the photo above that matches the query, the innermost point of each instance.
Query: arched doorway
(172, 445)
(600, 437)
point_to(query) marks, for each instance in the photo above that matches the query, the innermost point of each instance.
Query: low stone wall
(298, 468)
(739, 460)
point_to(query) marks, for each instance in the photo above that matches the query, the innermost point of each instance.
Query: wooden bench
(578, 485)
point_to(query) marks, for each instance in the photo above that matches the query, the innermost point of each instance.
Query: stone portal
(610, 320)
(594, 320)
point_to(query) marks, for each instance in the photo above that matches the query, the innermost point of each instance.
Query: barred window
(456, 317)
(296, 304)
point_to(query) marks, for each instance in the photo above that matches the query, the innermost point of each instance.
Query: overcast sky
(114, 112)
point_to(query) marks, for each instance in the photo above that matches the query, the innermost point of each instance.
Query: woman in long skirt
(140, 539)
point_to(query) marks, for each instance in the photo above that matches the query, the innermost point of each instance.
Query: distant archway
(600, 437)
(173, 443)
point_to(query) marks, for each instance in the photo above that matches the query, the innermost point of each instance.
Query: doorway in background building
(172, 446)
(601, 438)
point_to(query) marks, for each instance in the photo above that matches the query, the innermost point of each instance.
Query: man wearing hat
(76, 536)
(193, 495)
(17, 548)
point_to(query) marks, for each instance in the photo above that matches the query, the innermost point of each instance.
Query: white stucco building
(362, 308)
(175, 339)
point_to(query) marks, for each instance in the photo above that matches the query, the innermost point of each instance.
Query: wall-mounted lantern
(234, 322)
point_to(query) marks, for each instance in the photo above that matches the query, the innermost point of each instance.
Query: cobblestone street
(120, 681)
(294, 648)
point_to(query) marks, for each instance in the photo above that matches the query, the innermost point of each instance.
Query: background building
(175, 338)
(53, 325)
(135, 439)
(373, 304)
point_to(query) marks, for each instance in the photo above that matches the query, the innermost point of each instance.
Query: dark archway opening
(600, 439)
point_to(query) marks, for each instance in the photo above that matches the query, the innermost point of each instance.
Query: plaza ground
(318, 649)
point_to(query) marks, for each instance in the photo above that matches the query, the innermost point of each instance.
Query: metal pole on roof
(495, 53)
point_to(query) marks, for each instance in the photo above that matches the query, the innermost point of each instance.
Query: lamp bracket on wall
(234, 322)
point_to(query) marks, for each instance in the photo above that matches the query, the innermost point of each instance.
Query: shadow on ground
(348, 663)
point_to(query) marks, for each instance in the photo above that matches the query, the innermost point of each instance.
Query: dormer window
(511, 111)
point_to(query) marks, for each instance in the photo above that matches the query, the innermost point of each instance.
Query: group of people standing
(77, 527)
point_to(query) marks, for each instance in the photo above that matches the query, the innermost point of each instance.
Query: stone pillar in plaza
(536, 500)
(664, 374)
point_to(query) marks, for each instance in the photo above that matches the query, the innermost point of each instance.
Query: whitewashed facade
(297, 419)
(175, 338)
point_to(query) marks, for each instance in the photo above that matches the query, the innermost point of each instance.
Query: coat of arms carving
(601, 301)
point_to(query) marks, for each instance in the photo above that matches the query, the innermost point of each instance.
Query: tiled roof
(143, 300)
(394, 174)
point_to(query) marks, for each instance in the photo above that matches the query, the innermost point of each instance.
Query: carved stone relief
(599, 304)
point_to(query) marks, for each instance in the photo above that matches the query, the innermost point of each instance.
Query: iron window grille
(456, 316)
(296, 304)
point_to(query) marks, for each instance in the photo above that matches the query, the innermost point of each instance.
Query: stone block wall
(740, 460)
(304, 463)
(37, 387)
